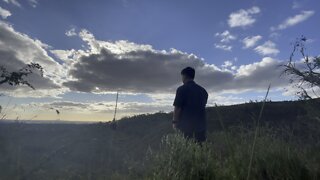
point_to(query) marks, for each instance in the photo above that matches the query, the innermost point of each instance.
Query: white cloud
(14, 2)
(4, 13)
(71, 32)
(291, 21)
(105, 107)
(20, 49)
(275, 35)
(296, 5)
(268, 48)
(33, 3)
(224, 100)
(293, 91)
(223, 47)
(227, 64)
(225, 36)
(251, 41)
(247, 70)
(65, 55)
(243, 18)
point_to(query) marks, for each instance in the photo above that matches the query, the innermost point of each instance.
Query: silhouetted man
(189, 114)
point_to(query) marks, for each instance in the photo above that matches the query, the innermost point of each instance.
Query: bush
(181, 159)
(274, 159)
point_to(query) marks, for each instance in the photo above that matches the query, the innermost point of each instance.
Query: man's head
(187, 74)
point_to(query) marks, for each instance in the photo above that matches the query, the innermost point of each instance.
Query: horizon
(74, 121)
(92, 50)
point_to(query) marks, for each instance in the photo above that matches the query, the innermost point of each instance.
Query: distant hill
(291, 114)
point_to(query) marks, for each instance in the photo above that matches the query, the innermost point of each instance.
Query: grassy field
(146, 147)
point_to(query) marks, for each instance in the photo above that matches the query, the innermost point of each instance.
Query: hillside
(95, 151)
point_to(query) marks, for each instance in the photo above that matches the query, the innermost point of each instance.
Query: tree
(305, 76)
(17, 78)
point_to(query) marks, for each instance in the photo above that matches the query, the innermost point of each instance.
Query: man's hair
(188, 72)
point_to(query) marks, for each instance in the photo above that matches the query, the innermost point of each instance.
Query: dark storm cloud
(138, 71)
(151, 71)
(129, 67)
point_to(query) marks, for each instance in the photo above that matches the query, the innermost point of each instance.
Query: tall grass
(181, 159)
(252, 154)
(256, 133)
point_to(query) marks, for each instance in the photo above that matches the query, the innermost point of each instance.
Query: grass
(181, 159)
(274, 158)
(256, 133)
(267, 157)
(245, 150)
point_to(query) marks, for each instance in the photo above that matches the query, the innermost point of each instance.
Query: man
(189, 114)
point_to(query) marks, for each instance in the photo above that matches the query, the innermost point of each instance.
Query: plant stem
(256, 132)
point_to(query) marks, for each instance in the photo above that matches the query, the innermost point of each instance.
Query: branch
(17, 78)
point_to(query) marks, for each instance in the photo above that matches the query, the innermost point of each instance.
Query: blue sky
(134, 47)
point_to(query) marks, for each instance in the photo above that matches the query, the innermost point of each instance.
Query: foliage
(274, 159)
(182, 159)
(308, 75)
(17, 78)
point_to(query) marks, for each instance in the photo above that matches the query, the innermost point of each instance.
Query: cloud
(4, 13)
(71, 32)
(17, 50)
(251, 77)
(106, 66)
(224, 100)
(125, 108)
(227, 64)
(256, 76)
(225, 38)
(223, 47)
(296, 5)
(275, 35)
(33, 3)
(268, 48)
(14, 2)
(104, 107)
(243, 18)
(135, 71)
(251, 41)
(291, 21)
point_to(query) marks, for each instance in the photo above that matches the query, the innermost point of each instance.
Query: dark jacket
(192, 99)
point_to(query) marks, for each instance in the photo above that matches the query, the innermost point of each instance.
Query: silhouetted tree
(17, 78)
(307, 75)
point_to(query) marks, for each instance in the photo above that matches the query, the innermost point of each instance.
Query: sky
(92, 49)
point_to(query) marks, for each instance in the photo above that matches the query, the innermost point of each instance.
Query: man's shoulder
(203, 90)
(193, 85)
(182, 87)
(199, 86)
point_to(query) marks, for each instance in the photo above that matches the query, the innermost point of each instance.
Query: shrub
(181, 159)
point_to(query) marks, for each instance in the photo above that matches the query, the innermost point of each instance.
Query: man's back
(192, 99)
